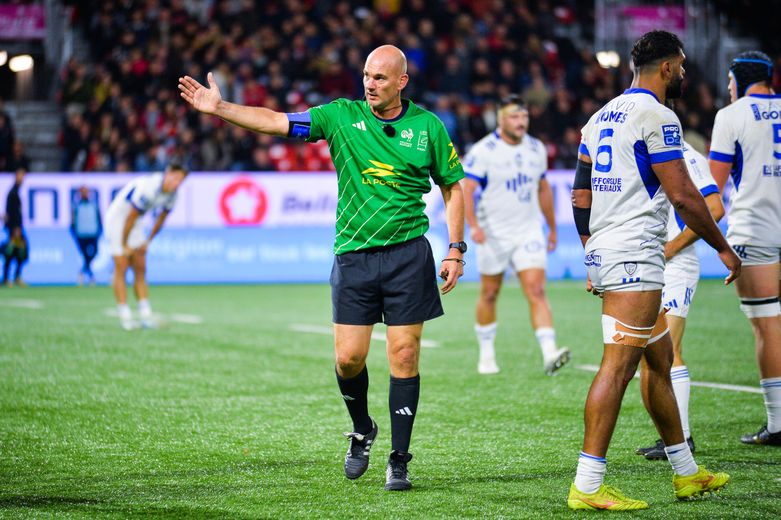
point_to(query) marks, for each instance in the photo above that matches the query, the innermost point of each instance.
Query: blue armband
(299, 124)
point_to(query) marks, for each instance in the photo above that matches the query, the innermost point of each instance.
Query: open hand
(201, 98)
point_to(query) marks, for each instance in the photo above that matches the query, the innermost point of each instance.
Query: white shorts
(113, 233)
(678, 292)
(757, 255)
(611, 270)
(495, 256)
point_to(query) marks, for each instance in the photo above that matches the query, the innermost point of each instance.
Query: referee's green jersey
(382, 179)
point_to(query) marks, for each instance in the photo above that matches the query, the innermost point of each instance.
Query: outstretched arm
(209, 101)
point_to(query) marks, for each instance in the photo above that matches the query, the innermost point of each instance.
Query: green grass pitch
(240, 417)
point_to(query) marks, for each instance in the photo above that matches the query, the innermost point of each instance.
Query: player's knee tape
(660, 327)
(614, 331)
(760, 307)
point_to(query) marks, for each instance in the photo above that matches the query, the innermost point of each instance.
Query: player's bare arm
(156, 228)
(687, 237)
(209, 101)
(720, 172)
(690, 205)
(545, 193)
(452, 267)
(475, 231)
(130, 221)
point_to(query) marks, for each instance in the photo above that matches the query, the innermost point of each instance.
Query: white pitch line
(189, 319)
(378, 336)
(705, 384)
(23, 303)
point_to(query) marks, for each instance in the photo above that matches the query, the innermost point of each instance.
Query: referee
(384, 149)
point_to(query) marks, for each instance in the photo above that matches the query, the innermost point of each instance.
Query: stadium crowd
(122, 111)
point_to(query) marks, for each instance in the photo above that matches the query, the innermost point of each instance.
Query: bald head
(384, 77)
(388, 58)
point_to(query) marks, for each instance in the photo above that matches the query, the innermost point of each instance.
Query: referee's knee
(349, 364)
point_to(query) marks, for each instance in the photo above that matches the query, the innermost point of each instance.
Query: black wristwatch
(461, 246)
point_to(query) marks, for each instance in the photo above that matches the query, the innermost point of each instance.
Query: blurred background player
(125, 235)
(509, 166)
(681, 275)
(86, 227)
(15, 248)
(630, 168)
(747, 145)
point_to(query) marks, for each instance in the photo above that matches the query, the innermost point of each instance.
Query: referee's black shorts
(395, 285)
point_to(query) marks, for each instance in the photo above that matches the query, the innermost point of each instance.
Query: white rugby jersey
(624, 139)
(699, 172)
(747, 134)
(510, 179)
(143, 193)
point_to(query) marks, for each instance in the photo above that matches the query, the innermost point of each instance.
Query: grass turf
(240, 416)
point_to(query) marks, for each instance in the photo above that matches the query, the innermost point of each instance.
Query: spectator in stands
(16, 247)
(289, 56)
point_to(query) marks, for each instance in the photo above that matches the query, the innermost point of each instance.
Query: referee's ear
(403, 80)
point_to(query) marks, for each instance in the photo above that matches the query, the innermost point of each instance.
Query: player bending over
(127, 243)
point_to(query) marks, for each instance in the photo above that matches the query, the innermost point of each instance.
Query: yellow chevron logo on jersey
(380, 170)
(453, 159)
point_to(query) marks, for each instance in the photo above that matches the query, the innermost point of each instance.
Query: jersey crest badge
(672, 135)
(630, 268)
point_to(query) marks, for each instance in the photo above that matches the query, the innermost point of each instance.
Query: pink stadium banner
(639, 20)
(22, 22)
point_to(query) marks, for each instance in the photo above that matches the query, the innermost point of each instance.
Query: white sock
(681, 388)
(485, 338)
(124, 312)
(591, 473)
(546, 337)
(681, 459)
(771, 387)
(144, 309)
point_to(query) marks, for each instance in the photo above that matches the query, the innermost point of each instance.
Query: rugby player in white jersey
(630, 162)
(127, 243)
(746, 144)
(681, 274)
(509, 166)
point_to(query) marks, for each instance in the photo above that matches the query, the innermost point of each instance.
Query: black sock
(354, 391)
(403, 403)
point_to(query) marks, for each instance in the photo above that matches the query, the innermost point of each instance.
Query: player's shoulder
(534, 143)
(746, 108)
(487, 144)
